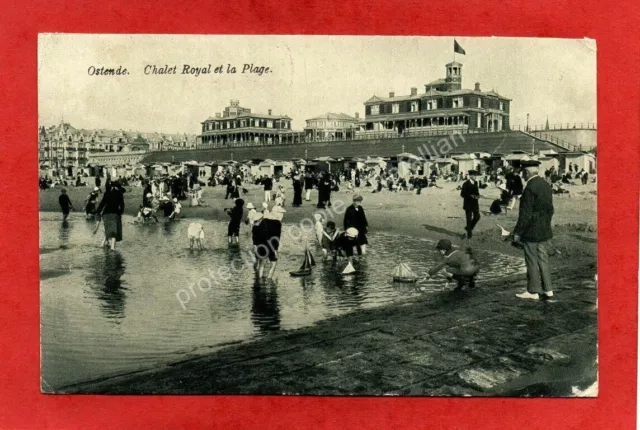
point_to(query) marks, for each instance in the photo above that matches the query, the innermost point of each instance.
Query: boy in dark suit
(470, 194)
(354, 217)
(533, 230)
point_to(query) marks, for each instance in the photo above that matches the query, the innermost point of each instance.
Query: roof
(517, 157)
(431, 93)
(376, 99)
(436, 82)
(248, 115)
(333, 116)
(408, 155)
(453, 63)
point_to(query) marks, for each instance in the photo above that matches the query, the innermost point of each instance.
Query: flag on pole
(457, 48)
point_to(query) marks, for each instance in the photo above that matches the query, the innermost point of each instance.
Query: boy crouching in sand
(460, 266)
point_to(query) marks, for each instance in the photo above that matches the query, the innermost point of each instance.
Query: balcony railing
(557, 126)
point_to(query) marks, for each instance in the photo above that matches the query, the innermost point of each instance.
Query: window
(395, 108)
(432, 104)
(375, 109)
(501, 106)
(458, 102)
(479, 102)
(479, 124)
(414, 106)
(269, 124)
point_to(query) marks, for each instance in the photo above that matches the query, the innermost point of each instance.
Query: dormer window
(375, 109)
(395, 108)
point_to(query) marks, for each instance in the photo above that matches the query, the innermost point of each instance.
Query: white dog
(196, 235)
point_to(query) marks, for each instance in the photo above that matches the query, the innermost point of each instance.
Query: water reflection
(104, 278)
(64, 232)
(127, 314)
(345, 291)
(265, 309)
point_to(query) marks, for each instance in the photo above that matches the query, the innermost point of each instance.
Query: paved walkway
(476, 342)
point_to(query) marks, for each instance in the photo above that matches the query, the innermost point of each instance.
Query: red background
(613, 24)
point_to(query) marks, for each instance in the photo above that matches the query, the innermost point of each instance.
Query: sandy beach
(436, 213)
(479, 342)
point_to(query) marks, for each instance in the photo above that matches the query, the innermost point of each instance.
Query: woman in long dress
(111, 209)
(297, 191)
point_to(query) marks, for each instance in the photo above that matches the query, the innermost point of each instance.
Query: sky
(309, 76)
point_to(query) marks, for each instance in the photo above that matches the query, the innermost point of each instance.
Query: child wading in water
(328, 241)
(65, 204)
(235, 213)
(460, 266)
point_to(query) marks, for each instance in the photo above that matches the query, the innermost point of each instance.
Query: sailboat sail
(403, 273)
(309, 257)
(349, 269)
(307, 264)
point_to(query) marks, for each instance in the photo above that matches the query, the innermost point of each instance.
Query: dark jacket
(112, 203)
(518, 185)
(469, 191)
(308, 182)
(355, 217)
(536, 211)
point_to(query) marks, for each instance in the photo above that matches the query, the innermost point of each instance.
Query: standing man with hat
(470, 194)
(533, 230)
(354, 217)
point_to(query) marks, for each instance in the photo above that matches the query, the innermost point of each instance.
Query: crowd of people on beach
(164, 194)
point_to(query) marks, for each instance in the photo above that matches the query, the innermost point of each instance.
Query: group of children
(151, 205)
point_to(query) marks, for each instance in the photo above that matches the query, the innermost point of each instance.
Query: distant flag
(457, 48)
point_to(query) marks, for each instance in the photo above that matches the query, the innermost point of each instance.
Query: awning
(408, 155)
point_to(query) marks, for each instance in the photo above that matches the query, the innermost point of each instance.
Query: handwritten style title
(185, 69)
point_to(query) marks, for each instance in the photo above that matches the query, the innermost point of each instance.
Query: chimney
(414, 91)
(269, 111)
(392, 95)
(357, 115)
(477, 86)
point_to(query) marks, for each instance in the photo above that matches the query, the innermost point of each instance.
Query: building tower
(454, 76)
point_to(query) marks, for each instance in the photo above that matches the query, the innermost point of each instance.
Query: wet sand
(475, 342)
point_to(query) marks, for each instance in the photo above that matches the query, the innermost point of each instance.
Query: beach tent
(267, 167)
(466, 162)
(584, 160)
(514, 159)
(547, 163)
(445, 164)
(324, 163)
(408, 164)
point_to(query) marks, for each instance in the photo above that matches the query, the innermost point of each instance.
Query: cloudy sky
(310, 75)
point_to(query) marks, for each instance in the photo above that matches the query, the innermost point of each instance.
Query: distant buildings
(331, 126)
(443, 107)
(68, 151)
(238, 126)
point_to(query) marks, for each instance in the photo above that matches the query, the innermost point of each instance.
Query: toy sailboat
(403, 273)
(307, 265)
(349, 269)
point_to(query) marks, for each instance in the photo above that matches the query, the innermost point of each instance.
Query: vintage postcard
(317, 215)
